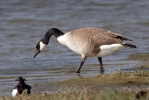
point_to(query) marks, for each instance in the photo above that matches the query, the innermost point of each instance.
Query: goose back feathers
(87, 41)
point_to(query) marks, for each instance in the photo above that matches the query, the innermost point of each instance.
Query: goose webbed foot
(78, 71)
(102, 71)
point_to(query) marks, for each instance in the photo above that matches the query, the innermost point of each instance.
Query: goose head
(45, 40)
(39, 47)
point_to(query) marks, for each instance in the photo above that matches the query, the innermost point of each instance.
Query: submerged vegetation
(117, 86)
(143, 60)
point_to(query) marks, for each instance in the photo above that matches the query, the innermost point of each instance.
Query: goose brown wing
(89, 39)
(98, 36)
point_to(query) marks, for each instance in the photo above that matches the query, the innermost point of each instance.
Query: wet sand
(101, 82)
(119, 79)
(138, 78)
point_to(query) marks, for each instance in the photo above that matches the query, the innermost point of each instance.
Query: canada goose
(21, 87)
(88, 42)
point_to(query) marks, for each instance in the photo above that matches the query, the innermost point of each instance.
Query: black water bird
(22, 86)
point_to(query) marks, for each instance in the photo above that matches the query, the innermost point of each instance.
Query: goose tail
(129, 45)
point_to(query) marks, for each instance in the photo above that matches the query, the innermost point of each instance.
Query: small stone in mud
(130, 82)
(140, 94)
(35, 84)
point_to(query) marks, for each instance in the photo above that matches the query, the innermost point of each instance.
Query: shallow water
(23, 23)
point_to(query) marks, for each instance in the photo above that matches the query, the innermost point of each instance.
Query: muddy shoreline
(118, 79)
(101, 82)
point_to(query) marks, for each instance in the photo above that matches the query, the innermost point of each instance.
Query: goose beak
(36, 53)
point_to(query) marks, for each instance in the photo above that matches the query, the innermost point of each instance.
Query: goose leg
(81, 64)
(101, 66)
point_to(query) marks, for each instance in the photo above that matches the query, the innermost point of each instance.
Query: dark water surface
(24, 22)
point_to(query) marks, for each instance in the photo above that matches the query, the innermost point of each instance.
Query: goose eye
(38, 47)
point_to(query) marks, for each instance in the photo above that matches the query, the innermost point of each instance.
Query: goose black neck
(52, 31)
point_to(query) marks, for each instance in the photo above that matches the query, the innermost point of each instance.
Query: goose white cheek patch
(42, 46)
